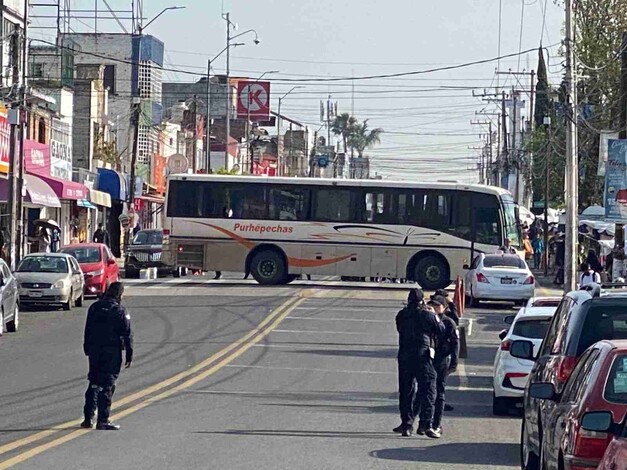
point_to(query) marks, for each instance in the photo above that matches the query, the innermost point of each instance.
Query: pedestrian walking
(507, 247)
(588, 276)
(445, 361)
(538, 250)
(418, 328)
(101, 235)
(43, 237)
(107, 333)
(56, 240)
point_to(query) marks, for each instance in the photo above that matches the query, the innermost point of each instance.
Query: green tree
(106, 151)
(363, 138)
(344, 125)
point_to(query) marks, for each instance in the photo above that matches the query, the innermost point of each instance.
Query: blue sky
(325, 38)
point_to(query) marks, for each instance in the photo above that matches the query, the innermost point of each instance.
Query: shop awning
(85, 203)
(100, 198)
(65, 189)
(36, 192)
(113, 183)
(155, 199)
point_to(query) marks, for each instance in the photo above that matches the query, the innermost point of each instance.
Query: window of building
(109, 78)
(36, 70)
(41, 131)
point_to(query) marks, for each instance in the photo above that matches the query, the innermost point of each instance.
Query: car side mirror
(466, 266)
(509, 319)
(543, 391)
(598, 421)
(522, 349)
(111, 261)
(502, 335)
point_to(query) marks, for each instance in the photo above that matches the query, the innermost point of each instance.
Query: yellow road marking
(279, 312)
(133, 409)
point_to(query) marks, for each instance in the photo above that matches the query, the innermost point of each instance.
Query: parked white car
(499, 277)
(544, 301)
(510, 373)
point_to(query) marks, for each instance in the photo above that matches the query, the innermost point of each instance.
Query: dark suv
(145, 252)
(582, 319)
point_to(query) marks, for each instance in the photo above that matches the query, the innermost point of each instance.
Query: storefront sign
(616, 181)
(5, 139)
(60, 160)
(37, 158)
(158, 172)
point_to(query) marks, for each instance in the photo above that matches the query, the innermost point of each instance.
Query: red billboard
(36, 158)
(253, 100)
(158, 172)
(5, 140)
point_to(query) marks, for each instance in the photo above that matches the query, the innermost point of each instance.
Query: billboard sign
(60, 160)
(253, 100)
(36, 158)
(5, 141)
(603, 141)
(616, 181)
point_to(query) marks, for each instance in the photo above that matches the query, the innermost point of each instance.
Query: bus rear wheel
(268, 268)
(432, 272)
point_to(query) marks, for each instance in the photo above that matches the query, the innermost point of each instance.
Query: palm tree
(344, 125)
(363, 138)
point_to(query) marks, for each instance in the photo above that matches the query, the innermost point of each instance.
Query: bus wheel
(432, 273)
(268, 268)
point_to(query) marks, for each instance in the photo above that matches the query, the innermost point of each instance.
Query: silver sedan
(50, 278)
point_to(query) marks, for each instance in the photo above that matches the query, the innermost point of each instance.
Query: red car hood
(90, 267)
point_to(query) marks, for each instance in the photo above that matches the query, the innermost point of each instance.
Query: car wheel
(432, 272)
(79, 301)
(472, 301)
(131, 274)
(268, 268)
(528, 459)
(14, 324)
(500, 405)
(176, 272)
(67, 306)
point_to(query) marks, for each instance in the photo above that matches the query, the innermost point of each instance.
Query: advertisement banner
(5, 140)
(603, 140)
(158, 172)
(36, 158)
(616, 181)
(60, 160)
(253, 100)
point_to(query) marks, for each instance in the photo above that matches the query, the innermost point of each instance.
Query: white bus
(280, 228)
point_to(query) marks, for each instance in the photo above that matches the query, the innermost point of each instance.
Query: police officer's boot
(87, 423)
(107, 426)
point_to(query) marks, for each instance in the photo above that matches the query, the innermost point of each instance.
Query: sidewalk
(544, 284)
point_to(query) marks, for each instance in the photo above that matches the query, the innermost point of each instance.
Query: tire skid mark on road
(189, 378)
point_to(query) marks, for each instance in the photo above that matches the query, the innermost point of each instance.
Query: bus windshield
(511, 223)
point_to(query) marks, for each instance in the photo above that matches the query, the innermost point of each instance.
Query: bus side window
(486, 207)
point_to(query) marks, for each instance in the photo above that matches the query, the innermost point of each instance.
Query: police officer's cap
(440, 292)
(440, 299)
(415, 296)
(437, 301)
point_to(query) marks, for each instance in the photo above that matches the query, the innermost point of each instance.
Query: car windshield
(603, 321)
(43, 264)
(84, 255)
(534, 329)
(148, 238)
(616, 385)
(503, 261)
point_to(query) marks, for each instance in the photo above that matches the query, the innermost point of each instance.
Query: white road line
(338, 319)
(325, 332)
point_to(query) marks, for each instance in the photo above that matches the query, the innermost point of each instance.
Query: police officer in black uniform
(417, 328)
(450, 307)
(107, 333)
(445, 362)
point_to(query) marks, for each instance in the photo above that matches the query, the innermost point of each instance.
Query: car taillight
(590, 444)
(505, 345)
(530, 280)
(166, 231)
(565, 367)
(516, 375)
(482, 278)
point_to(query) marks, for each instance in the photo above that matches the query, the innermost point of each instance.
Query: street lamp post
(141, 27)
(208, 120)
(278, 131)
(229, 38)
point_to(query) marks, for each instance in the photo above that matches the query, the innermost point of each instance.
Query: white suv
(510, 373)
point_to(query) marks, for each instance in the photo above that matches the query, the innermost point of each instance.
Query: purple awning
(36, 192)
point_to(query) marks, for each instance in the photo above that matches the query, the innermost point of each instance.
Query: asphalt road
(233, 375)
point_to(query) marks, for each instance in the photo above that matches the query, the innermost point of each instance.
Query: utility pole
(194, 133)
(208, 123)
(619, 234)
(14, 195)
(229, 101)
(515, 153)
(504, 131)
(135, 115)
(572, 174)
(547, 159)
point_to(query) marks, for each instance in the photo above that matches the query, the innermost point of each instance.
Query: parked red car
(98, 265)
(589, 412)
(616, 454)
